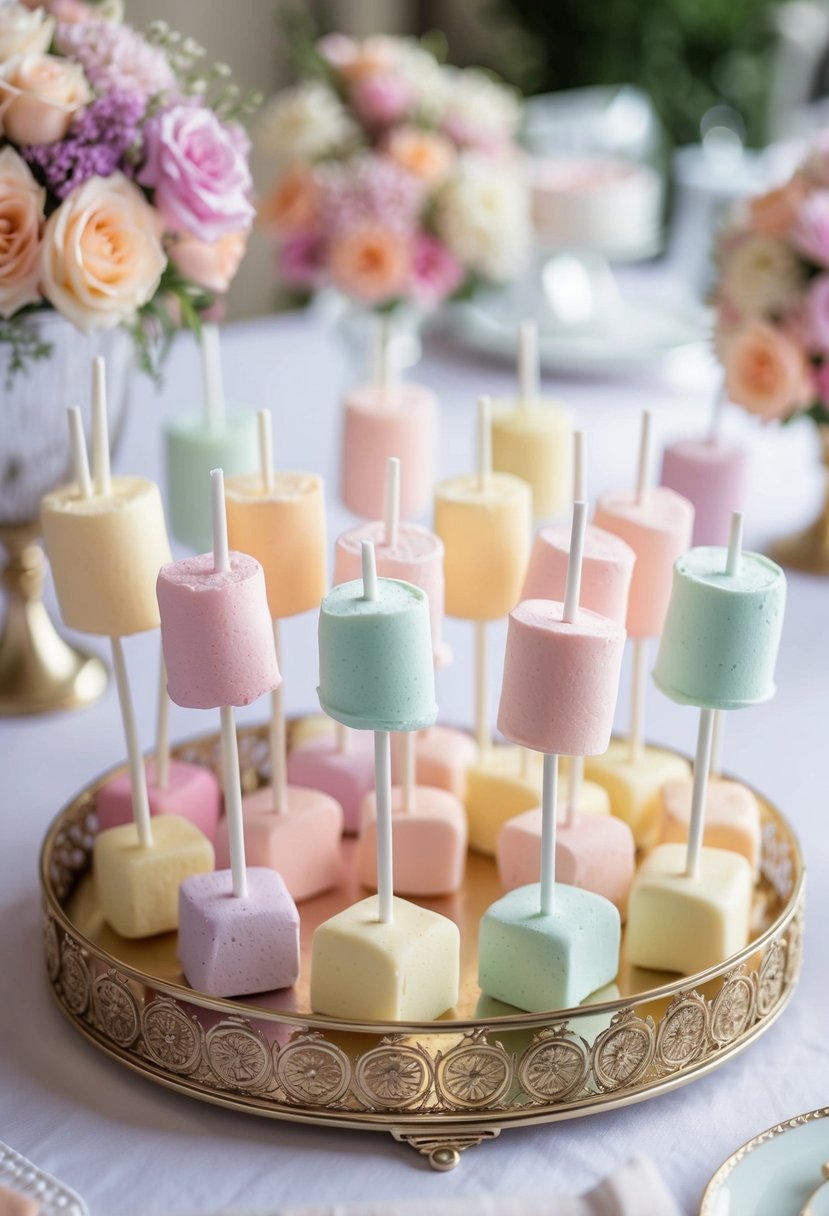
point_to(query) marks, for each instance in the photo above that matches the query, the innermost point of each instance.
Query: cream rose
(102, 255)
(24, 32)
(21, 223)
(766, 372)
(209, 264)
(39, 97)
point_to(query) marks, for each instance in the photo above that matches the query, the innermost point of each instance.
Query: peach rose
(427, 155)
(21, 223)
(102, 256)
(775, 213)
(39, 97)
(23, 32)
(211, 265)
(291, 205)
(369, 263)
(766, 372)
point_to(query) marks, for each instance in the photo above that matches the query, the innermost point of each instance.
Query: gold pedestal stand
(39, 671)
(809, 550)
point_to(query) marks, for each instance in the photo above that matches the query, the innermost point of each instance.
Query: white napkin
(634, 1190)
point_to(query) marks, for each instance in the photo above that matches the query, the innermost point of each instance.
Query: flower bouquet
(125, 190)
(398, 179)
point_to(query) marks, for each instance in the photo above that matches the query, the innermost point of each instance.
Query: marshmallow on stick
(384, 419)
(383, 958)
(279, 518)
(690, 907)
(548, 945)
(531, 434)
(238, 928)
(197, 443)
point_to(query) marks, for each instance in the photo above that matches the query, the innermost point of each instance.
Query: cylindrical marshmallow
(416, 558)
(722, 631)
(711, 474)
(193, 449)
(379, 423)
(486, 533)
(376, 670)
(105, 553)
(284, 529)
(561, 679)
(534, 442)
(658, 529)
(216, 632)
(607, 566)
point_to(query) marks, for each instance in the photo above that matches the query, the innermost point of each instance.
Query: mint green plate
(776, 1173)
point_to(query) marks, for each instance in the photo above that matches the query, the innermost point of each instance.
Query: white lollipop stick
(484, 443)
(341, 733)
(644, 456)
(277, 733)
(702, 761)
(639, 668)
(162, 730)
(528, 372)
(391, 516)
(214, 395)
(230, 749)
(265, 437)
(720, 398)
(80, 460)
(574, 788)
(482, 730)
(715, 768)
(382, 774)
(408, 766)
(549, 787)
(385, 372)
(579, 466)
(100, 429)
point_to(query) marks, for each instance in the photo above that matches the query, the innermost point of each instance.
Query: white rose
(304, 123)
(24, 32)
(483, 215)
(761, 276)
(427, 81)
(479, 110)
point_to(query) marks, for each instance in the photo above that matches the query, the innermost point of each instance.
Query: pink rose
(435, 272)
(817, 314)
(766, 372)
(775, 212)
(301, 260)
(209, 264)
(39, 97)
(21, 223)
(811, 232)
(199, 171)
(381, 99)
(822, 383)
(102, 257)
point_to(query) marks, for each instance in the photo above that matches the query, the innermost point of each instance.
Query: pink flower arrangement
(396, 178)
(125, 187)
(772, 300)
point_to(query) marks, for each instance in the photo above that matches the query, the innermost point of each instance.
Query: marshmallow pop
(531, 434)
(428, 823)
(106, 539)
(690, 906)
(279, 518)
(593, 851)
(238, 927)
(657, 524)
(197, 443)
(383, 958)
(549, 945)
(381, 420)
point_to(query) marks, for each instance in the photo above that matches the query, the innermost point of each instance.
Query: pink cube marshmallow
(192, 792)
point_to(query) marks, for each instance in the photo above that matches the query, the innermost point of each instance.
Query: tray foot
(443, 1149)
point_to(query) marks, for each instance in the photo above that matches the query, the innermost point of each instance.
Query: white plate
(775, 1173)
(19, 1174)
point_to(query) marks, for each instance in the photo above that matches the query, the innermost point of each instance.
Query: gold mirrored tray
(441, 1086)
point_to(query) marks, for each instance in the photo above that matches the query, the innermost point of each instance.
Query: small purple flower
(436, 273)
(95, 146)
(301, 260)
(116, 57)
(370, 189)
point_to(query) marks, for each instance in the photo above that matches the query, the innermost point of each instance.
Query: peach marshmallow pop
(238, 927)
(531, 434)
(657, 523)
(106, 540)
(548, 945)
(484, 520)
(383, 958)
(594, 851)
(279, 518)
(690, 905)
(428, 823)
(383, 419)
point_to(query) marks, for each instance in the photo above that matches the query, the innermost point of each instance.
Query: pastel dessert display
(279, 519)
(99, 526)
(591, 852)
(383, 958)
(531, 434)
(196, 443)
(657, 524)
(548, 945)
(387, 418)
(238, 927)
(690, 905)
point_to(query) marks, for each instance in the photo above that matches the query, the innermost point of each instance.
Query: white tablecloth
(133, 1149)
